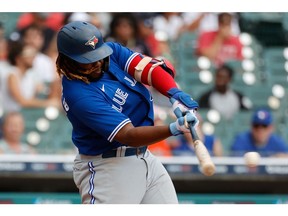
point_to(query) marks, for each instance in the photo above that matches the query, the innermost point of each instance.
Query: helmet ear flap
(106, 63)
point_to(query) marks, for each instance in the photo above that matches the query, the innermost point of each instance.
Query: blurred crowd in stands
(28, 79)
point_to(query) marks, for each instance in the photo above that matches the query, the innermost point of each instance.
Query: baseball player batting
(111, 111)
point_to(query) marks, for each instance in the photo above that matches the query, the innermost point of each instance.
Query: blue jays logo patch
(92, 42)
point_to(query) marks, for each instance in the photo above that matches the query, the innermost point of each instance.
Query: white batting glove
(179, 109)
(181, 125)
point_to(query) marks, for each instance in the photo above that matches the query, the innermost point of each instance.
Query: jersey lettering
(65, 105)
(120, 98)
(117, 109)
(132, 82)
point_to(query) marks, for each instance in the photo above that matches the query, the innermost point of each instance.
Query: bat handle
(193, 132)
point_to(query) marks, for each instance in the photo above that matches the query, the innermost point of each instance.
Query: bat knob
(208, 169)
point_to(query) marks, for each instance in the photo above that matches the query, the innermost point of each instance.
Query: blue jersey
(97, 111)
(244, 143)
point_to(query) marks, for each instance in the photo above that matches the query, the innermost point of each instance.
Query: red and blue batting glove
(182, 102)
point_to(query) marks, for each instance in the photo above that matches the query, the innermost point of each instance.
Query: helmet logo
(92, 42)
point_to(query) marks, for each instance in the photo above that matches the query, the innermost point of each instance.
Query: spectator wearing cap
(260, 137)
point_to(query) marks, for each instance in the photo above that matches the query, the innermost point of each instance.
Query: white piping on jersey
(102, 88)
(116, 130)
(129, 61)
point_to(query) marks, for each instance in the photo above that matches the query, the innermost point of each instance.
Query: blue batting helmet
(82, 42)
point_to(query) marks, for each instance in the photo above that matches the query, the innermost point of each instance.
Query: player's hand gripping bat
(206, 164)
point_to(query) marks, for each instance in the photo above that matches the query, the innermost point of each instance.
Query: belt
(126, 152)
(119, 152)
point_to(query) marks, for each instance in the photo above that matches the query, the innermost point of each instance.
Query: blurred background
(233, 64)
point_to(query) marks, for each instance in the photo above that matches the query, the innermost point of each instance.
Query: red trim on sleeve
(133, 64)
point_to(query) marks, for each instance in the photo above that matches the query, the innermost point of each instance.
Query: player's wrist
(173, 91)
(183, 98)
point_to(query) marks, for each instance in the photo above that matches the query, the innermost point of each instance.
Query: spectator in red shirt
(220, 46)
(48, 22)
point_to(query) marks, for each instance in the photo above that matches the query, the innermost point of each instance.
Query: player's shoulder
(74, 90)
(117, 47)
(114, 45)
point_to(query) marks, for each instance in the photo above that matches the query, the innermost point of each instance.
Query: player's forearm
(143, 136)
(163, 82)
(32, 103)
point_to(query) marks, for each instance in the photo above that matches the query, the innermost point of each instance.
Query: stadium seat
(223, 132)
(262, 16)
(259, 94)
(9, 19)
(252, 54)
(187, 43)
(191, 82)
(242, 121)
(266, 27)
(31, 115)
(56, 139)
(274, 66)
(236, 65)
(220, 129)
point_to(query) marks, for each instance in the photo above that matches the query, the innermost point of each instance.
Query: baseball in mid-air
(252, 159)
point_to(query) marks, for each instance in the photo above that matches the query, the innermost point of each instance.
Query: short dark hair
(7, 115)
(119, 18)
(224, 18)
(15, 49)
(31, 27)
(226, 68)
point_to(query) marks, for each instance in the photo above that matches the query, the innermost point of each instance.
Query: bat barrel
(207, 165)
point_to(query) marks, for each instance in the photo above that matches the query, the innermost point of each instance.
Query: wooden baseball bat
(206, 164)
